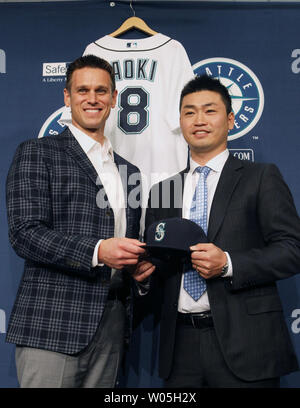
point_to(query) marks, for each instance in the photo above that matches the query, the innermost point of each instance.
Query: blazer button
(109, 213)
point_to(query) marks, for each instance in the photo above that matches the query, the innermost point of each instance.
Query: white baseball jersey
(144, 126)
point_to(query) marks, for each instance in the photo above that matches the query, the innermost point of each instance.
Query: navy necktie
(193, 283)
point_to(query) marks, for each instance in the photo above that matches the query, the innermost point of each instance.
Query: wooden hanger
(133, 22)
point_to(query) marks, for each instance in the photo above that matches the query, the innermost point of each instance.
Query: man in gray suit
(69, 218)
(234, 333)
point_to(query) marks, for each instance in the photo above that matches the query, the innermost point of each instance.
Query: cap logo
(160, 231)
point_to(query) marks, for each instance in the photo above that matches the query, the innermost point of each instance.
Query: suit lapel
(132, 208)
(228, 181)
(122, 166)
(73, 148)
(176, 207)
(119, 162)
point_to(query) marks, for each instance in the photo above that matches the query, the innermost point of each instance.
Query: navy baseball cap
(173, 237)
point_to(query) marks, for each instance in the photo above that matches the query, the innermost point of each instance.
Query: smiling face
(205, 124)
(91, 99)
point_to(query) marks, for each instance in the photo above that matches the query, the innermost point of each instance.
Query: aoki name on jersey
(140, 69)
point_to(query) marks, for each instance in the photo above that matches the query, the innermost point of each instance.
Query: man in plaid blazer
(71, 219)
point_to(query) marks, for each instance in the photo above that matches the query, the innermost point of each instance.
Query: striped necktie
(193, 283)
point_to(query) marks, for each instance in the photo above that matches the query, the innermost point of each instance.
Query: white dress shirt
(186, 303)
(102, 158)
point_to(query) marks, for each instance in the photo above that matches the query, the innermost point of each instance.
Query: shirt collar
(88, 144)
(216, 163)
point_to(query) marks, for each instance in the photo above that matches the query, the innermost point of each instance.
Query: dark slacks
(199, 363)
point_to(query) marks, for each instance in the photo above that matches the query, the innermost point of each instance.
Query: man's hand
(119, 252)
(143, 270)
(208, 260)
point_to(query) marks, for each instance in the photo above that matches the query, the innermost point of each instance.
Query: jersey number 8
(133, 116)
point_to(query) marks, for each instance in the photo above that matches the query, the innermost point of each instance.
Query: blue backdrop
(253, 47)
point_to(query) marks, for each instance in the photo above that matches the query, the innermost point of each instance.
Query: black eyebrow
(194, 106)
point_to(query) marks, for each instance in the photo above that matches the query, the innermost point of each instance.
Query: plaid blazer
(54, 224)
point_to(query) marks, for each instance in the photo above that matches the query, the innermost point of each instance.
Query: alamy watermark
(295, 326)
(295, 65)
(170, 190)
(2, 62)
(2, 321)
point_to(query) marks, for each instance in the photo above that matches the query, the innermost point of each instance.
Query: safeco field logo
(246, 92)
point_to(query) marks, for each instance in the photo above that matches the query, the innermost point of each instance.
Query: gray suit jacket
(54, 224)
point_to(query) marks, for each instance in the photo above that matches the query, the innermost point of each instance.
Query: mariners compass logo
(53, 125)
(160, 231)
(246, 92)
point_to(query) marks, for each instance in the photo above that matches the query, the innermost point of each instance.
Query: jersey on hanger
(144, 126)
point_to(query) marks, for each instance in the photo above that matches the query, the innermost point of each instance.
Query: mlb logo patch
(131, 44)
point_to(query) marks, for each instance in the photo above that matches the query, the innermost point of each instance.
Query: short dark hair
(206, 83)
(90, 61)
